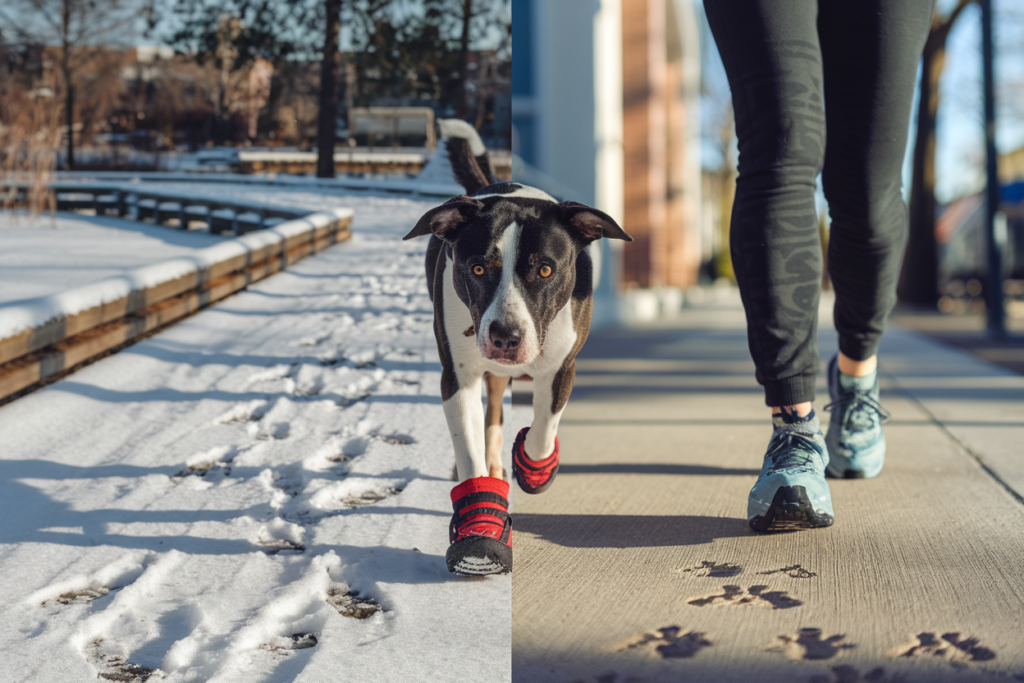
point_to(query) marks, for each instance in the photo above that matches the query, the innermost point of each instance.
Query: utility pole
(995, 310)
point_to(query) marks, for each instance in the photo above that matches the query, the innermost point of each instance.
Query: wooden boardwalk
(637, 565)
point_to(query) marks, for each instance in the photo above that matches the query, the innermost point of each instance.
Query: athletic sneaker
(533, 476)
(856, 444)
(481, 528)
(791, 491)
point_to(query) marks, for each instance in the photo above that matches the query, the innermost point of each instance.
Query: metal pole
(994, 307)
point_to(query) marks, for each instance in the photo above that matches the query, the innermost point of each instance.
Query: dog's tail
(460, 156)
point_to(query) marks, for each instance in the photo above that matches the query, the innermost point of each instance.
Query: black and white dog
(511, 285)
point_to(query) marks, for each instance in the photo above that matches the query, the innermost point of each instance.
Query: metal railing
(128, 200)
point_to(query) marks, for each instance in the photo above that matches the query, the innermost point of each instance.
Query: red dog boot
(481, 528)
(534, 476)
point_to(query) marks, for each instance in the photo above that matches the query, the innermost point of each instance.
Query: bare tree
(467, 21)
(78, 28)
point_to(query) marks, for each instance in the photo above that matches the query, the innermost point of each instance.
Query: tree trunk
(463, 103)
(327, 121)
(919, 278)
(69, 91)
(69, 105)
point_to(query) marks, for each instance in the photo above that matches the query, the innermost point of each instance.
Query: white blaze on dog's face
(521, 279)
(514, 252)
(506, 332)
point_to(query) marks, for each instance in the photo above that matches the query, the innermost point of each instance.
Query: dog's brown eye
(545, 271)
(478, 270)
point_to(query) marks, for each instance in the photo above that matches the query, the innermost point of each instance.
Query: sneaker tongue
(865, 383)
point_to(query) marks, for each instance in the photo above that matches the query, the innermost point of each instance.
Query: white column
(608, 157)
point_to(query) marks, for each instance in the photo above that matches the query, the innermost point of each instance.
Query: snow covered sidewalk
(231, 499)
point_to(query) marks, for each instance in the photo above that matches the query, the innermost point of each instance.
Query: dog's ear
(446, 220)
(590, 224)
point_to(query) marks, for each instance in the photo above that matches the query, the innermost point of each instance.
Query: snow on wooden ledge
(89, 320)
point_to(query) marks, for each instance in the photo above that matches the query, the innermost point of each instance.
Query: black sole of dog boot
(791, 510)
(526, 488)
(479, 556)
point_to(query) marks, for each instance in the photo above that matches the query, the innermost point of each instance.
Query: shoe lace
(859, 407)
(792, 448)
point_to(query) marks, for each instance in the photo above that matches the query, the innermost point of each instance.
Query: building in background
(605, 111)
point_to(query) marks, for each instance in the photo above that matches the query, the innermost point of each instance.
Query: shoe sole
(479, 556)
(791, 510)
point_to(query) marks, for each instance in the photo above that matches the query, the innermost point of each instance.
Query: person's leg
(870, 52)
(772, 58)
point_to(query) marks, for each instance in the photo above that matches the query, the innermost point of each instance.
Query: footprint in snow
(350, 603)
(397, 439)
(82, 595)
(296, 641)
(201, 470)
(114, 667)
(273, 431)
(356, 492)
(370, 496)
(203, 463)
(281, 536)
(272, 374)
(277, 545)
(244, 412)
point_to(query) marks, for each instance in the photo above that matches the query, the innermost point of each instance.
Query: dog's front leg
(494, 422)
(465, 415)
(550, 394)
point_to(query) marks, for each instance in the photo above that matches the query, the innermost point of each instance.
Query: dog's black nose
(504, 337)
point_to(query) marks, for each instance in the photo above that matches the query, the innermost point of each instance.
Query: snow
(213, 501)
(21, 315)
(414, 155)
(420, 186)
(46, 255)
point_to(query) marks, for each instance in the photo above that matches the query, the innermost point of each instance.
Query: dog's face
(514, 252)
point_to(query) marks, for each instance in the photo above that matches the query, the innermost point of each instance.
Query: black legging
(798, 68)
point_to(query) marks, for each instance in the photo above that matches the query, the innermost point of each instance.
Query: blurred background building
(624, 104)
(605, 110)
(228, 74)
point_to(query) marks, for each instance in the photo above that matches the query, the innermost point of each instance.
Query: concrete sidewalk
(637, 565)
